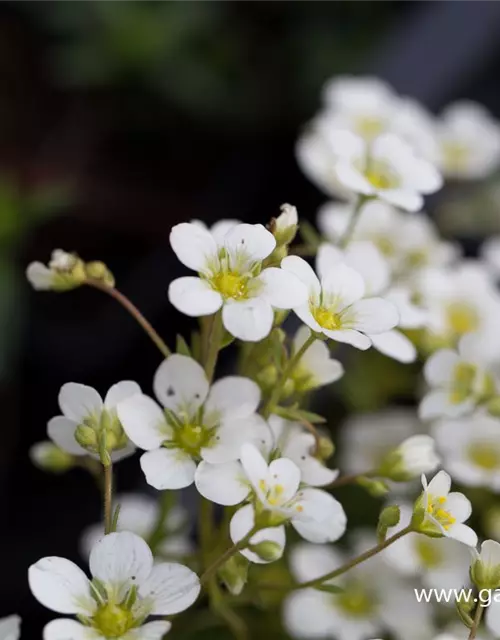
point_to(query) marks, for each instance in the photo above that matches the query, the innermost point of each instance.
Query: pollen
(326, 318)
(230, 285)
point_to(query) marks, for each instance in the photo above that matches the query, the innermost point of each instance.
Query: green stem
(205, 524)
(350, 479)
(108, 498)
(287, 372)
(229, 553)
(134, 312)
(220, 607)
(477, 621)
(158, 533)
(353, 221)
(212, 346)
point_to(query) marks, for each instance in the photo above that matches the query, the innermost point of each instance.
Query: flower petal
(120, 560)
(120, 391)
(252, 240)
(254, 465)
(352, 179)
(328, 258)
(233, 397)
(61, 430)
(194, 297)
(403, 198)
(372, 315)
(171, 587)
(299, 267)
(60, 585)
(322, 518)
(242, 522)
(224, 484)
(232, 434)
(283, 289)
(309, 614)
(168, 468)
(342, 286)
(463, 533)
(298, 449)
(437, 404)
(194, 246)
(77, 401)
(285, 474)
(149, 631)
(490, 553)
(458, 505)
(143, 421)
(350, 336)
(396, 345)
(10, 628)
(250, 320)
(39, 276)
(67, 629)
(180, 384)
(438, 369)
(440, 484)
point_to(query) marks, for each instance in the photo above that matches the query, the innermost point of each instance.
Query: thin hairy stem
(477, 621)
(213, 339)
(353, 221)
(108, 498)
(229, 553)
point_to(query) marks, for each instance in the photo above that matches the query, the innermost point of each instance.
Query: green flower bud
(390, 516)
(49, 457)
(326, 449)
(485, 569)
(284, 227)
(86, 437)
(99, 271)
(267, 550)
(376, 488)
(234, 573)
(414, 456)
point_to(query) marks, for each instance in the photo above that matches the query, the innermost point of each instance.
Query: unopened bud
(86, 437)
(376, 488)
(267, 550)
(414, 456)
(389, 517)
(485, 569)
(284, 227)
(99, 271)
(325, 449)
(234, 573)
(49, 457)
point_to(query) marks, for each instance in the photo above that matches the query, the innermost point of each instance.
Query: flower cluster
(382, 278)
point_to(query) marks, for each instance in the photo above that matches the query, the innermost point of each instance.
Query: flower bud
(48, 457)
(414, 456)
(86, 437)
(284, 227)
(234, 574)
(389, 517)
(376, 488)
(485, 568)
(64, 272)
(267, 550)
(325, 449)
(99, 271)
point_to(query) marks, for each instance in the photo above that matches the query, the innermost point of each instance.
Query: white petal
(395, 344)
(458, 505)
(254, 240)
(194, 297)
(254, 465)
(350, 177)
(342, 285)
(121, 454)
(61, 430)
(194, 246)
(250, 320)
(77, 401)
(437, 404)
(233, 397)
(171, 587)
(143, 421)
(243, 521)
(493, 617)
(309, 614)
(180, 383)
(322, 518)
(120, 391)
(490, 553)
(463, 533)
(372, 315)
(304, 313)
(283, 289)
(299, 267)
(67, 629)
(439, 367)
(221, 227)
(149, 631)
(286, 474)
(328, 258)
(39, 276)
(440, 484)
(121, 560)
(10, 628)
(232, 434)
(298, 448)
(405, 199)
(60, 585)
(350, 336)
(168, 468)
(224, 484)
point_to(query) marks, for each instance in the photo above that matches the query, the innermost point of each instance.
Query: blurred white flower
(443, 513)
(10, 628)
(490, 253)
(336, 307)
(132, 589)
(414, 456)
(139, 514)
(197, 421)
(458, 380)
(316, 368)
(88, 422)
(231, 277)
(65, 271)
(469, 141)
(470, 447)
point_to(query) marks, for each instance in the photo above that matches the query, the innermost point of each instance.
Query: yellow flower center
(385, 245)
(428, 552)
(464, 375)
(368, 127)
(113, 620)
(462, 318)
(484, 455)
(230, 285)
(192, 438)
(381, 176)
(435, 509)
(326, 318)
(455, 155)
(356, 601)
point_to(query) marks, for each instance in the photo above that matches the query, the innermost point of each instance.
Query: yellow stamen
(326, 318)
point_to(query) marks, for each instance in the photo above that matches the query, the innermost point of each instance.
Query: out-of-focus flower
(130, 589)
(469, 141)
(485, 566)
(49, 457)
(336, 307)
(437, 512)
(414, 456)
(316, 367)
(490, 253)
(231, 277)
(196, 422)
(65, 271)
(10, 628)
(470, 447)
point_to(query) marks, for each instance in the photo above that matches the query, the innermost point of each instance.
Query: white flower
(198, 422)
(316, 367)
(125, 590)
(470, 447)
(490, 253)
(10, 628)
(336, 307)
(231, 277)
(139, 514)
(276, 498)
(387, 169)
(64, 271)
(441, 563)
(292, 441)
(443, 513)
(469, 141)
(88, 421)
(218, 229)
(287, 218)
(414, 456)
(458, 379)
(365, 258)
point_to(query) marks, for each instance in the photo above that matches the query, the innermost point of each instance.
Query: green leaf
(182, 347)
(330, 588)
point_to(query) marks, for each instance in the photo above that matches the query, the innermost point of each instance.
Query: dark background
(120, 119)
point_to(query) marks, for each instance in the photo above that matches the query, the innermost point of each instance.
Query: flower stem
(212, 344)
(223, 610)
(229, 553)
(205, 524)
(108, 497)
(134, 312)
(353, 221)
(287, 372)
(350, 479)
(158, 533)
(477, 621)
